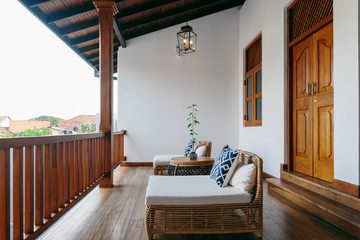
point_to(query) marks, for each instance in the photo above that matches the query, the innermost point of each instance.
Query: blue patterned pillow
(224, 166)
(189, 147)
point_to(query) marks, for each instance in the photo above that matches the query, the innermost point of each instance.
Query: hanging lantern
(186, 40)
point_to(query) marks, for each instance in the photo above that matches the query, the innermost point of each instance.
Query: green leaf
(189, 125)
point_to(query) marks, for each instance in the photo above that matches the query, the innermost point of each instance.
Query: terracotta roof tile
(76, 122)
(23, 125)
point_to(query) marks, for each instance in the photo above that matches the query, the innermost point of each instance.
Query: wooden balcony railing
(49, 175)
(118, 143)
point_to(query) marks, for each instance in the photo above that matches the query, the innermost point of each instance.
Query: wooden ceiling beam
(95, 55)
(87, 38)
(118, 34)
(181, 18)
(68, 13)
(161, 15)
(79, 26)
(35, 3)
(94, 47)
(143, 7)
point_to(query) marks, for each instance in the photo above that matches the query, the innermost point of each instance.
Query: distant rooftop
(23, 125)
(76, 122)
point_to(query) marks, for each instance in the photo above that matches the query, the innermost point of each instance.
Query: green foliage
(53, 120)
(87, 128)
(30, 133)
(192, 121)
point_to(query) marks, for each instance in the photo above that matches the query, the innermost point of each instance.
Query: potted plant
(192, 123)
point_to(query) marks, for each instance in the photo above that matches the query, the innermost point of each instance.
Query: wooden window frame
(252, 73)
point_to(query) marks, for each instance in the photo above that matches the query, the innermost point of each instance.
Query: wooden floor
(118, 213)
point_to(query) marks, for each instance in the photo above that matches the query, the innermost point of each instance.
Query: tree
(87, 128)
(53, 120)
(30, 133)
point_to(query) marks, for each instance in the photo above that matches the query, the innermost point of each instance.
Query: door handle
(309, 89)
(314, 88)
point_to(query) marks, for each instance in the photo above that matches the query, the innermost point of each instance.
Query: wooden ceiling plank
(161, 15)
(68, 13)
(183, 17)
(87, 38)
(119, 34)
(35, 3)
(143, 7)
(79, 26)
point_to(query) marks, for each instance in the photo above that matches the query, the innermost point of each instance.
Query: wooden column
(106, 10)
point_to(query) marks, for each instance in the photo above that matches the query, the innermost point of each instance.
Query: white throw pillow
(200, 151)
(244, 177)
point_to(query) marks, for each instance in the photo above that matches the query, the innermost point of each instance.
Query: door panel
(324, 105)
(302, 110)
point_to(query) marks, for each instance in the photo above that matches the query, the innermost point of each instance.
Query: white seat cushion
(191, 190)
(160, 160)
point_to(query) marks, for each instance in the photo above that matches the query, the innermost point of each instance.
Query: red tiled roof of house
(4, 130)
(76, 122)
(23, 125)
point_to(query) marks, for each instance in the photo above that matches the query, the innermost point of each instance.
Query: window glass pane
(249, 110)
(258, 108)
(258, 82)
(249, 87)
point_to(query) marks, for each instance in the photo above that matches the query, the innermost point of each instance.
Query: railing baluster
(47, 181)
(90, 163)
(39, 212)
(66, 172)
(5, 194)
(71, 169)
(18, 221)
(29, 189)
(61, 174)
(76, 169)
(81, 167)
(54, 179)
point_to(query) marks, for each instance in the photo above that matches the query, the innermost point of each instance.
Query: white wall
(155, 86)
(346, 91)
(268, 17)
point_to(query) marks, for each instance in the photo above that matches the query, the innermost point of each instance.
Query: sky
(39, 74)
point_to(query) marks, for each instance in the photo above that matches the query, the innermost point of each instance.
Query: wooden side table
(185, 166)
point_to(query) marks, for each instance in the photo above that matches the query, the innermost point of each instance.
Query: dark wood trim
(118, 34)
(267, 175)
(136, 164)
(72, 12)
(349, 188)
(79, 27)
(120, 162)
(64, 210)
(120, 132)
(312, 30)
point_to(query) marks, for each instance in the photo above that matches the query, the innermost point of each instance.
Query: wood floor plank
(119, 212)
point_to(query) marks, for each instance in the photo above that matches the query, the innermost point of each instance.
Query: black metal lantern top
(186, 40)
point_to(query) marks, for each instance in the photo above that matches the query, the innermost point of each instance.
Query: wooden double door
(313, 105)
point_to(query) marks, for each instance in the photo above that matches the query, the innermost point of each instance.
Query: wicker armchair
(161, 162)
(206, 219)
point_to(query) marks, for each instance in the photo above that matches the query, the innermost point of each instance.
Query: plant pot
(193, 156)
